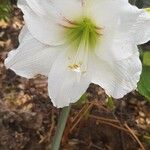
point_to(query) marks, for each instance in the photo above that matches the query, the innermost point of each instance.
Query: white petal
(116, 42)
(37, 6)
(115, 46)
(106, 12)
(57, 8)
(31, 57)
(119, 77)
(121, 42)
(70, 9)
(44, 29)
(23, 34)
(136, 23)
(121, 17)
(141, 28)
(63, 86)
(21, 3)
(44, 9)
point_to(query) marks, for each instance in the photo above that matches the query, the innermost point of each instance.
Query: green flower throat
(83, 31)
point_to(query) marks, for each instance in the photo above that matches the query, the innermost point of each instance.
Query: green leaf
(147, 9)
(82, 100)
(144, 83)
(5, 9)
(110, 103)
(146, 58)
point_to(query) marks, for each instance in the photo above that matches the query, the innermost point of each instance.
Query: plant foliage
(5, 9)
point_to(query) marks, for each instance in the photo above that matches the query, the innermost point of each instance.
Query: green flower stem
(60, 128)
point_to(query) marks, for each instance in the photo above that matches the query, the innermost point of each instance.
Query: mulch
(28, 119)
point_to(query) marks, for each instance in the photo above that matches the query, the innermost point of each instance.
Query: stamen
(75, 67)
(78, 70)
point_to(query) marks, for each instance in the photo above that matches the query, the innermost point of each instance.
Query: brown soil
(28, 120)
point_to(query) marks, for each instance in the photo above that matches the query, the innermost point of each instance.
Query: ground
(28, 119)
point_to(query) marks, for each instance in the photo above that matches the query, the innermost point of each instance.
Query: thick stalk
(60, 128)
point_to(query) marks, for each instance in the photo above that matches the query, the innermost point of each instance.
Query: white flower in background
(76, 42)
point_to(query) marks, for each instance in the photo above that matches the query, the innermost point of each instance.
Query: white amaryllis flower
(76, 42)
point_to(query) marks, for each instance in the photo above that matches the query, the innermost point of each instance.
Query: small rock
(139, 104)
(137, 121)
(141, 121)
(133, 101)
(143, 103)
(21, 86)
(141, 114)
(123, 104)
(148, 121)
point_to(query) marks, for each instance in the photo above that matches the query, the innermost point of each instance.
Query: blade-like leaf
(146, 58)
(144, 84)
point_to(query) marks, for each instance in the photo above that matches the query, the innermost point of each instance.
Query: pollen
(83, 31)
(75, 67)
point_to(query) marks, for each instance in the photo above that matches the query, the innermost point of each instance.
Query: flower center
(82, 36)
(82, 31)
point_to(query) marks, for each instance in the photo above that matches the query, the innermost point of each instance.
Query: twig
(80, 112)
(99, 106)
(121, 127)
(113, 125)
(121, 132)
(50, 130)
(52, 125)
(104, 119)
(95, 146)
(76, 123)
(91, 145)
(135, 137)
